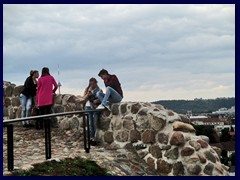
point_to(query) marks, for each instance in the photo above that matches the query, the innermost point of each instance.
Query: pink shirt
(45, 90)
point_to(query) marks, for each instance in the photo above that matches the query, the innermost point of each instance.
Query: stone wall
(12, 106)
(160, 138)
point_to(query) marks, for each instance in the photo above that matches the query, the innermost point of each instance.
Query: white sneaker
(100, 107)
(107, 107)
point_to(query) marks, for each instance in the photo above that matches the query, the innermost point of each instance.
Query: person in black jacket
(27, 95)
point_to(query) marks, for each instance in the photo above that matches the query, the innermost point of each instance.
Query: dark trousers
(43, 110)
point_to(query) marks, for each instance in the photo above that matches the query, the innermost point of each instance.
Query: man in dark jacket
(114, 93)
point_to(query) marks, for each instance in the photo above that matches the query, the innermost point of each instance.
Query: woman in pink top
(45, 90)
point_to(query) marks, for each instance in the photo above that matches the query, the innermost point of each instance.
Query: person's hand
(96, 101)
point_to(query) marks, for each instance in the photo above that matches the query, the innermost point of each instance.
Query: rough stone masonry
(158, 135)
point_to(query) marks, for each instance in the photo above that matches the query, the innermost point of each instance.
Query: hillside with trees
(197, 105)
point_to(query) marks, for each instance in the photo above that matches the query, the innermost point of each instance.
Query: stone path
(29, 148)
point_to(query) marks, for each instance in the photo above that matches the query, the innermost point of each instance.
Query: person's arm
(55, 85)
(38, 88)
(27, 83)
(86, 93)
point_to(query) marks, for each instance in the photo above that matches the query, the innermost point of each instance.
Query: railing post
(88, 133)
(47, 125)
(47, 138)
(85, 133)
(10, 155)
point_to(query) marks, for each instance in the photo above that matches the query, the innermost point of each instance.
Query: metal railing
(46, 118)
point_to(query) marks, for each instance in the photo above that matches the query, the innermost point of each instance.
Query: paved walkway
(29, 148)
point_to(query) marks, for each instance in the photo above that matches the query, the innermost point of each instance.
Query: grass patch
(67, 167)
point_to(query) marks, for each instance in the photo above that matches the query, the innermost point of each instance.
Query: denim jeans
(26, 103)
(92, 118)
(111, 95)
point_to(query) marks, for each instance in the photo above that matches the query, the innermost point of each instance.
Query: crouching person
(114, 93)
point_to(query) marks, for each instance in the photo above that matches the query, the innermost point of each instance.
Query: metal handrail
(6, 121)
(9, 124)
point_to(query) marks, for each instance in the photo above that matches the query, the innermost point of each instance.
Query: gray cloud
(167, 51)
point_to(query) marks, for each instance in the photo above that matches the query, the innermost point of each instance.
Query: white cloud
(157, 51)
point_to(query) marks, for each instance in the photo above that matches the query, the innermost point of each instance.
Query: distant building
(219, 128)
(224, 111)
(204, 120)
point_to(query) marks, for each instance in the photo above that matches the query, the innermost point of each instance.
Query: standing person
(27, 95)
(114, 93)
(45, 93)
(90, 94)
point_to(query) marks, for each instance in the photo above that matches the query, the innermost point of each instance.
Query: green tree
(232, 159)
(225, 136)
(224, 157)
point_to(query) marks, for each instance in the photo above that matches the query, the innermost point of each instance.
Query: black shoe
(93, 143)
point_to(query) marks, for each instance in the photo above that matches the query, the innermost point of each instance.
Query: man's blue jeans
(26, 103)
(111, 95)
(92, 118)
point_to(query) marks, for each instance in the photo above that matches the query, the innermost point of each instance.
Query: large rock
(163, 138)
(195, 145)
(172, 153)
(208, 169)
(151, 162)
(103, 123)
(58, 99)
(203, 144)
(115, 109)
(217, 150)
(12, 113)
(128, 124)
(122, 136)
(180, 126)
(74, 122)
(135, 135)
(67, 98)
(177, 138)
(8, 91)
(123, 108)
(17, 90)
(187, 151)
(178, 169)
(194, 169)
(7, 101)
(15, 101)
(157, 121)
(58, 109)
(164, 167)
(65, 124)
(210, 156)
(135, 108)
(108, 137)
(155, 151)
(149, 136)
(143, 112)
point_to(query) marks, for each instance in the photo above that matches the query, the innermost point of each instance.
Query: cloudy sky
(158, 52)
